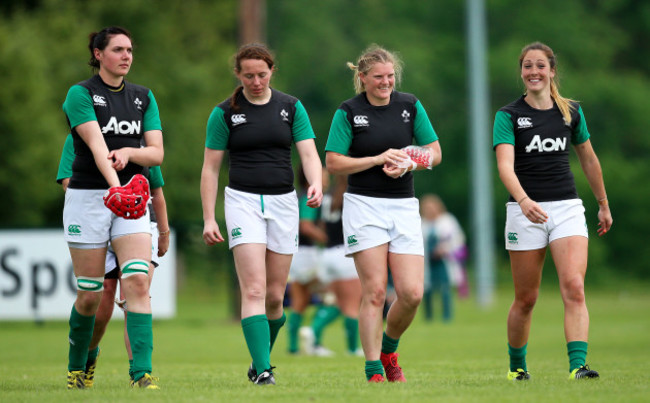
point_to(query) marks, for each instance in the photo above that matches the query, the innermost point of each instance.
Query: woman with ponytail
(257, 125)
(531, 137)
(381, 218)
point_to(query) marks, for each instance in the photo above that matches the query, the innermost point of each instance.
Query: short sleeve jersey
(124, 114)
(306, 213)
(541, 143)
(360, 129)
(258, 139)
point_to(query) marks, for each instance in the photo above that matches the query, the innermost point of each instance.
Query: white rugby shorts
(305, 264)
(565, 218)
(86, 220)
(372, 221)
(266, 219)
(336, 266)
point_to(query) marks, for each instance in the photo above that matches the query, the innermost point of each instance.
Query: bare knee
(137, 286)
(573, 292)
(254, 294)
(526, 302)
(274, 301)
(411, 297)
(87, 302)
(376, 296)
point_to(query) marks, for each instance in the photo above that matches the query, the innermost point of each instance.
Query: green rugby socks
(81, 331)
(517, 357)
(258, 337)
(274, 328)
(140, 331)
(577, 351)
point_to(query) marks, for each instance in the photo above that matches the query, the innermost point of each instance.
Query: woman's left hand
(314, 196)
(119, 158)
(605, 220)
(394, 171)
(163, 244)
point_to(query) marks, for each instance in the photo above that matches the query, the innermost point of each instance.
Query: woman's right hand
(533, 211)
(391, 157)
(211, 233)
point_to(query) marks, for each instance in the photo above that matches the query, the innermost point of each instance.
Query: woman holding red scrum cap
(109, 118)
(258, 125)
(531, 138)
(368, 141)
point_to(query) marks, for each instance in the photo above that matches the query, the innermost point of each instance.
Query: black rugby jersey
(541, 140)
(258, 139)
(123, 116)
(360, 129)
(333, 222)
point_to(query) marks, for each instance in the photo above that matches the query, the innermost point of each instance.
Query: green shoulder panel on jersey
(217, 132)
(301, 128)
(306, 212)
(503, 131)
(580, 133)
(151, 115)
(422, 128)
(78, 106)
(340, 136)
(155, 178)
(67, 158)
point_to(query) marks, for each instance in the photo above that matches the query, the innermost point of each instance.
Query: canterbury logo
(352, 240)
(523, 123)
(360, 120)
(512, 237)
(74, 229)
(236, 232)
(99, 100)
(238, 119)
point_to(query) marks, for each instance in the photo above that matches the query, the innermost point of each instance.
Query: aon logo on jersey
(122, 127)
(546, 145)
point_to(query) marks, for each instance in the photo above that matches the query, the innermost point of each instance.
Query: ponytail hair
(564, 104)
(255, 51)
(374, 54)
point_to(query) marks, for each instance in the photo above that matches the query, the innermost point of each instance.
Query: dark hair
(564, 104)
(99, 40)
(255, 51)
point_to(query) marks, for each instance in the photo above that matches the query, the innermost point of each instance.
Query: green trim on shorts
(262, 201)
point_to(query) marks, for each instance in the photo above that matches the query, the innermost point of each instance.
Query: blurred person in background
(303, 274)
(109, 119)
(258, 125)
(381, 220)
(159, 247)
(531, 137)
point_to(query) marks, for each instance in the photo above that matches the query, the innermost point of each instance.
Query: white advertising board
(37, 281)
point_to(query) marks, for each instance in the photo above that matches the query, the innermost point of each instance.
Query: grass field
(201, 356)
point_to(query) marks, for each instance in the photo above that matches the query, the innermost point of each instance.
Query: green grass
(201, 356)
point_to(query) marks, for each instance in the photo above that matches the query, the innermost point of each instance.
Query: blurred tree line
(183, 52)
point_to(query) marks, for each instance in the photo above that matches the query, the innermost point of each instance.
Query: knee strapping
(94, 284)
(133, 267)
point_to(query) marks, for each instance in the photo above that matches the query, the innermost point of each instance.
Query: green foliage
(183, 52)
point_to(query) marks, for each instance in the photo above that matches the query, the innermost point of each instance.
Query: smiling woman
(530, 137)
(381, 221)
